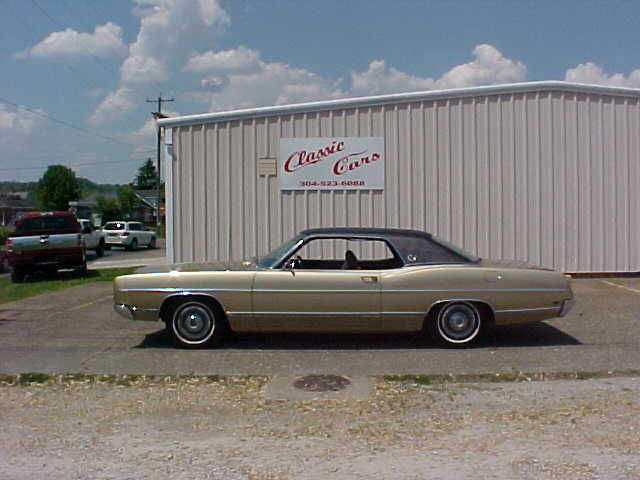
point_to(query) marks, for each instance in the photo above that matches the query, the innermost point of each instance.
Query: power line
(66, 124)
(76, 165)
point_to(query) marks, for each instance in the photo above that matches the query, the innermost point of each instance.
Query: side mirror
(291, 264)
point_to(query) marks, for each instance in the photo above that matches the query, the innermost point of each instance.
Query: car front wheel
(100, 249)
(195, 323)
(456, 324)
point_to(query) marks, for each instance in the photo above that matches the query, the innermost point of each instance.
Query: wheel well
(170, 302)
(488, 317)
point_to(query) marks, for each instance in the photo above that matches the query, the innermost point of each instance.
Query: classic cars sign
(332, 163)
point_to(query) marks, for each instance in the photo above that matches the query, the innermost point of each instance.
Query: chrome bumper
(566, 306)
(131, 312)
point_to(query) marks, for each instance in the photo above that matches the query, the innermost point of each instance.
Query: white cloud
(142, 70)
(489, 67)
(230, 86)
(168, 31)
(239, 60)
(15, 123)
(105, 41)
(272, 84)
(594, 74)
(379, 79)
(122, 100)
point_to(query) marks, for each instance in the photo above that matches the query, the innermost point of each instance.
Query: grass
(40, 283)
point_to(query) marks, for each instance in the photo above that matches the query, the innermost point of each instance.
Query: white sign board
(333, 163)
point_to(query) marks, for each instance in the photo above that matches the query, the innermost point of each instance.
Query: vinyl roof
(395, 98)
(381, 232)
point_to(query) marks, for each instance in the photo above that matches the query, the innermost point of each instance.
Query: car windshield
(114, 226)
(272, 258)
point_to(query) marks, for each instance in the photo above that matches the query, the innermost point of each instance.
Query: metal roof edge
(393, 98)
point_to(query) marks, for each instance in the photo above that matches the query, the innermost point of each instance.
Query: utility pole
(157, 115)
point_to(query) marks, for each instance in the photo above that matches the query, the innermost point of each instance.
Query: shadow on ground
(529, 335)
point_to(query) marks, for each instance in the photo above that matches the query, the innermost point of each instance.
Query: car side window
(345, 254)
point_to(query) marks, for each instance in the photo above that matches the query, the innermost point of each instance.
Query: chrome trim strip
(536, 309)
(329, 314)
(493, 290)
(265, 290)
(373, 289)
(307, 314)
(185, 291)
(138, 309)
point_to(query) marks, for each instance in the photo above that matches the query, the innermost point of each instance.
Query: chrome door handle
(369, 279)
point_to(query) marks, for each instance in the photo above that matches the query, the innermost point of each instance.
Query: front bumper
(131, 312)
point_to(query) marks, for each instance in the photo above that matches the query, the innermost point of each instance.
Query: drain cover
(322, 383)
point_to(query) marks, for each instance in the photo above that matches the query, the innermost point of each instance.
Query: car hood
(199, 267)
(503, 263)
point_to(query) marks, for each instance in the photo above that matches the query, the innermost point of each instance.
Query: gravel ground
(227, 429)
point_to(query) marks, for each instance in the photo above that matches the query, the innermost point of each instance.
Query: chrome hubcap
(459, 323)
(193, 323)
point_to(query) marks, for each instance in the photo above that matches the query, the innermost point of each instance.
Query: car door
(317, 295)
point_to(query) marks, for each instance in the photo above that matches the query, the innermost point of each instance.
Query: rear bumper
(59, 260)
(117, 240)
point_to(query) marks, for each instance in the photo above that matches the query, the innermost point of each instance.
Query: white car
(129, 235)
(92, 238)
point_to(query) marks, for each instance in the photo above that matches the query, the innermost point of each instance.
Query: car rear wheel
(456, 324)
(195, 323)
(134, 244)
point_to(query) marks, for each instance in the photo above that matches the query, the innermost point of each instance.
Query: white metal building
(545, 172)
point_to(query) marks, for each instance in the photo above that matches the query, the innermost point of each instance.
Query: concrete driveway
(76, 331)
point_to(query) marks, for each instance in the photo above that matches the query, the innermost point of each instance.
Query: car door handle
(369, 279)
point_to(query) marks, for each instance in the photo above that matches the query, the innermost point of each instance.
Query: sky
(75, 74)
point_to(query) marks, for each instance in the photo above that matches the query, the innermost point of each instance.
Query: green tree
(57, 187)
(127, 200)
(146, 177)
(109, 208)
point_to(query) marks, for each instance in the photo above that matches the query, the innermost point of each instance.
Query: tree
(57, 187)
(127, 200)
(147, 176)
(109, 208)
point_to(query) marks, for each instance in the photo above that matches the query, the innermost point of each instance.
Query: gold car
(346, 280)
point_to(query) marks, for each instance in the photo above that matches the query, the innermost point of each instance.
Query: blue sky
(86, 67)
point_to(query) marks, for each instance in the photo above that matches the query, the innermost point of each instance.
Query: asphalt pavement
(75, 330)
(119, 257)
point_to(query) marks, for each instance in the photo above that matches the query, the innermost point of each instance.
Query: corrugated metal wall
(547, 177)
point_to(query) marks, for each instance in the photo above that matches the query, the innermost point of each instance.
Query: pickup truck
(93, 239)
(47, 242)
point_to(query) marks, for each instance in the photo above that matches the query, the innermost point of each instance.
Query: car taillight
(124, 234)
